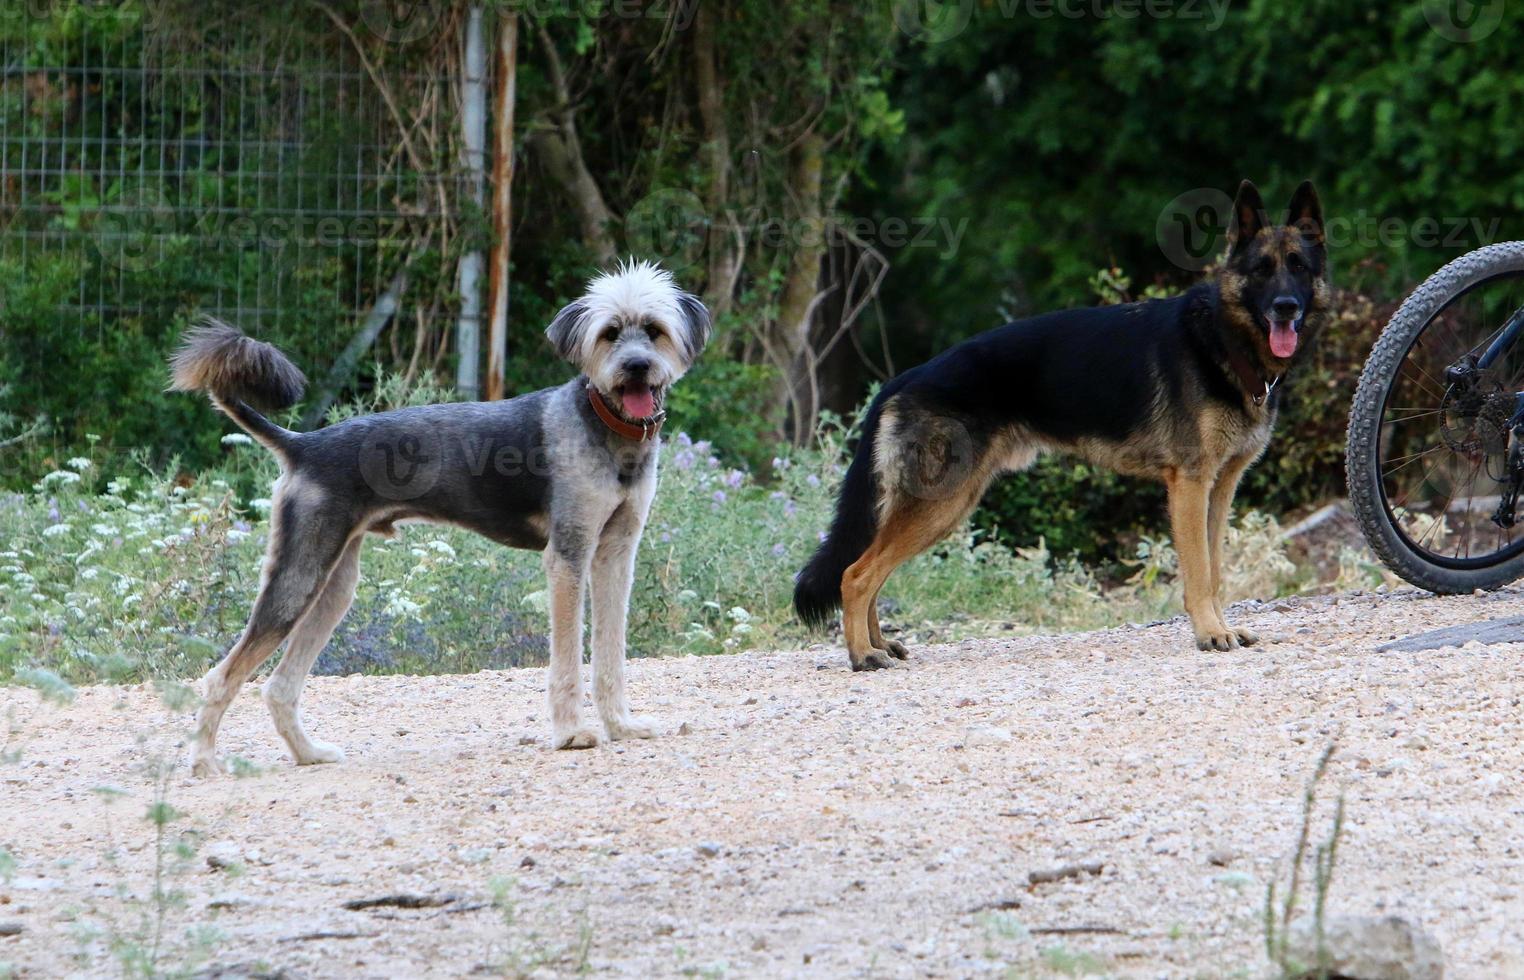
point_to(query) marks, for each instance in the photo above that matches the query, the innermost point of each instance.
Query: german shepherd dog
(1182, 390)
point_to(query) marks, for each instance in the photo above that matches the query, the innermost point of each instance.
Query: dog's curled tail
(238, 373)
(817, 590)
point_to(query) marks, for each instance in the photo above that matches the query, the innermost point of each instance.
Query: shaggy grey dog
(569, 471)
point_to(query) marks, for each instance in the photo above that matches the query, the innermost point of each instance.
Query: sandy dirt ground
(807, 821)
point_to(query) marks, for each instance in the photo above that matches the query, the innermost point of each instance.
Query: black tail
(817, 591)
(235, 370)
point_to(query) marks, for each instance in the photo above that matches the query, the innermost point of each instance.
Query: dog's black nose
(637, 368)
(1286, 307)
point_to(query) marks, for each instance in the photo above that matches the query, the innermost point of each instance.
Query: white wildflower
(55, 530)
(443, 547)
(261, 504)
(401, 606)
(60, 476)
(237, 439)
(79, 463)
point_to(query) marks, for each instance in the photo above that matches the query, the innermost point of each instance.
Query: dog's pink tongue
(1282, 338)
(639, 403)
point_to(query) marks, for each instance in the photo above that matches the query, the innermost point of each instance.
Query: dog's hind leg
(912, 525)
(876, 636)
(283, 691)
(566, 568)
(613, 571)
(1188, 511)
(303, 549)
(1219, 509)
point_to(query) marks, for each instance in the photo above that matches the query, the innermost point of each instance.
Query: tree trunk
(790, 342)
(473, 124)
(720, 281)
(502, 187)
(561, 152)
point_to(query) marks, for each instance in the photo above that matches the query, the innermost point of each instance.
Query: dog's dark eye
(1295, 263)
(1264, 268)
(610, 335)
(653, 331)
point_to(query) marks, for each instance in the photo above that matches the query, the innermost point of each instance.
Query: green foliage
(1061, 139)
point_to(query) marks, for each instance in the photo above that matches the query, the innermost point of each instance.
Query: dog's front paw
(875, 659)
(896, 649)
(318, 753)
(206, 764)
(578, 738)
(1216, 636)
(1246, 636)
(632, 726)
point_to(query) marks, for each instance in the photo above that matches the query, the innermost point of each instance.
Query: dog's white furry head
(634, 333)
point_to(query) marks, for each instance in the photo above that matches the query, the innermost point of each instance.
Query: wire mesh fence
(249, 169)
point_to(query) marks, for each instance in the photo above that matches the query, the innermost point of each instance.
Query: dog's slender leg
(1220, 508)
(876, 636)
(1188, 525)
(283, 690)
(613, 571)
(566, 566)
(906, 532)
(302, 553)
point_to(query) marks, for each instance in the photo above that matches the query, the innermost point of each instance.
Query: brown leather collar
(637, 432)
(1255, 386)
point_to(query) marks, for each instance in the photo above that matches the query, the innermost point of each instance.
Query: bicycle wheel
(1427, 457)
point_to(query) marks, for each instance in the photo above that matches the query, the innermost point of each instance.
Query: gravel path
(809, 821)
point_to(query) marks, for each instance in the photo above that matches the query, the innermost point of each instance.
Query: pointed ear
(698, 323)
(1306, 213)
(566, 331)
(1248, 215)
